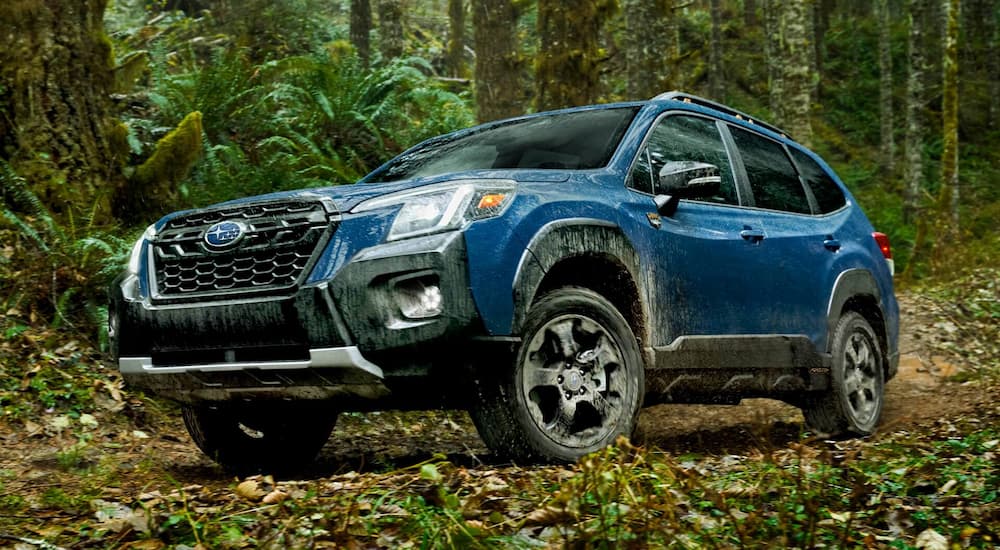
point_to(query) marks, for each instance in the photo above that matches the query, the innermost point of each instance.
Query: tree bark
(887, 149)
(455, 57)
(798, 68)
(749, 13)
(648, 47)
(569, 58)
(498, 68)
(361, 26)
(773, 53)
(56, 123)
(390, 22)
(915, 103)
(949, 192)
(715, 53)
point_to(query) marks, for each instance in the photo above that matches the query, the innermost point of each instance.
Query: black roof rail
(689, 98)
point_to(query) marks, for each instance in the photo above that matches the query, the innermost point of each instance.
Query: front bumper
(342, 338)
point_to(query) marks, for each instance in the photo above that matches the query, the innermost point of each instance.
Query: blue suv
(551, 273)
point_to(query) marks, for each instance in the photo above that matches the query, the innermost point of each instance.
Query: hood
(346, 197)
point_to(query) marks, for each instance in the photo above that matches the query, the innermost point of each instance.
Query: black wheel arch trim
(853, 283)
(565, 239)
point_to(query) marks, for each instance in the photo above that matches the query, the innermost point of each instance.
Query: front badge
(224, 235)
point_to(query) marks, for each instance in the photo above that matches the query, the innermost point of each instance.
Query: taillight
(883, 244)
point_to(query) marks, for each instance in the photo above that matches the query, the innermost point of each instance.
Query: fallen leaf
(931, 540)
(274, 497)
(250, 490)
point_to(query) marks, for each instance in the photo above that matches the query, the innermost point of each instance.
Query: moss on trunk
(56, 123)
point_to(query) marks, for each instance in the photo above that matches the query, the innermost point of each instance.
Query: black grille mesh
(279, 242)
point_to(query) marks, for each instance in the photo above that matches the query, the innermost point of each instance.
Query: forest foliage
(215, 102)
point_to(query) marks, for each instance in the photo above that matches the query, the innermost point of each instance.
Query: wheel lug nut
(560, 379)
(569, 395)
(582, 391)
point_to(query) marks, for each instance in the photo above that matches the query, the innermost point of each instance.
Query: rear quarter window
(828, 195)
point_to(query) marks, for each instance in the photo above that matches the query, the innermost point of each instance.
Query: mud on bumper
(339, 339)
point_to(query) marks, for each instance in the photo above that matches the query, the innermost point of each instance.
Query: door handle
(831, 244)
(752, 235)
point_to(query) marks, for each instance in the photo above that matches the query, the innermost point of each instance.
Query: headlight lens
(133, 260)
(442, 207)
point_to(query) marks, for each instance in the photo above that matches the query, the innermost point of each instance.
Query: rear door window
(773, 180)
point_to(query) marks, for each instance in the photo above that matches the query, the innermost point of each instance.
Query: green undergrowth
(902, 490)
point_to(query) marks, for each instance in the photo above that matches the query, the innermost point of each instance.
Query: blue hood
(346, 197)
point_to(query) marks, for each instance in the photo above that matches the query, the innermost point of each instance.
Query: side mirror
(685, 179)
(689, 179)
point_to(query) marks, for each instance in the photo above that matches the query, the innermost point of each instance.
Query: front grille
(278, 244)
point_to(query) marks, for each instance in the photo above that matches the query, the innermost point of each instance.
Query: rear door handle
(831, 244)
(752, 235)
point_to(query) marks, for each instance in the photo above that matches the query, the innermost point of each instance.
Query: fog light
(419, 298)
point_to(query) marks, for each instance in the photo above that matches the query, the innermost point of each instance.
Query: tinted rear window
(828, 195)
(579, 140)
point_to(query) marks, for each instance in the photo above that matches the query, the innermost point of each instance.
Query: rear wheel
(259, 438)
(575, 386)
(854, 402)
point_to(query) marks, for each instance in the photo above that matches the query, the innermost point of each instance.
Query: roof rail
(689, 98)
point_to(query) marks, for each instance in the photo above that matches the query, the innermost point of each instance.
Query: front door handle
(752, 235)
(831, 244)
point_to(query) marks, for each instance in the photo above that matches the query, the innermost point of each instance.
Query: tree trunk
(715, 53)
(949, 192)
(817, 34)
(569, 58)
(993, 68)
(647, 46)
(498, 69)
(749, 13)
(915, 100)
(361, 26)
(887, 150)
(390, 23)
(455, 57)
(798, 62)
(56, 123)
(775, 63)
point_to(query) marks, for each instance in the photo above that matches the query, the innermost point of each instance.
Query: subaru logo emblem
(224, 234)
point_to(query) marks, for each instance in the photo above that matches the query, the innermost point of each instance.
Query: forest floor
(119, 471)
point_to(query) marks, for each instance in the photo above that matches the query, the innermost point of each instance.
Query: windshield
(578, 140)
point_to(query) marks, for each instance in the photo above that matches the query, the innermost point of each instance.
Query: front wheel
(854, 402)
(576, 384)
(262, 437)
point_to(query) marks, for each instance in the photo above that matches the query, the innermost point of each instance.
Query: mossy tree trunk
(455, 57)
(56, 123)
(715, 52)
(887, 149)
(949, 191)
(568, 66)
(361, 27)
(772, 51)
(915, 104)
(390, 25)
(647, 44)
(498, 67)
(798, 53)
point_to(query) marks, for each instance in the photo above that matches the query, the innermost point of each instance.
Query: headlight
(442, 207)
(133, 260)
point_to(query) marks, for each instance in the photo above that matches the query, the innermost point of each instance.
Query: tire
(853, 404)
(263, 438)
(576, 383)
